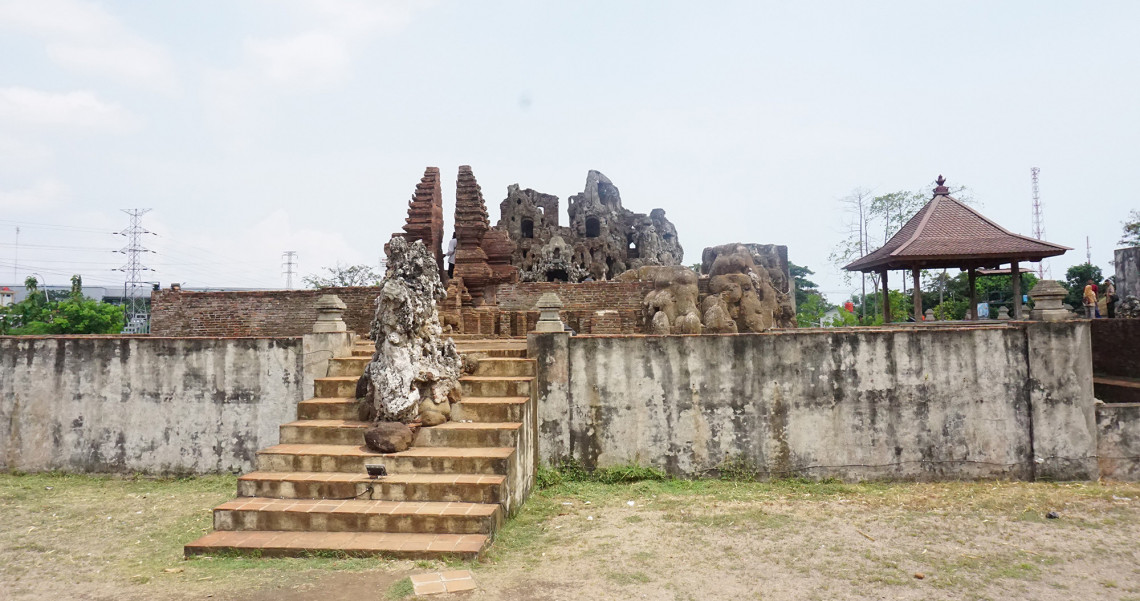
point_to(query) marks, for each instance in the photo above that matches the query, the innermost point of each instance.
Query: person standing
(1109, 298)
(451, 257)
(1089, 300)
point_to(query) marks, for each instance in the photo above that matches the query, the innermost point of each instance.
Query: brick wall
(259, 313)
(587, 296)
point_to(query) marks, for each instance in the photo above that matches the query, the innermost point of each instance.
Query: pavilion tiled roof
(947, 233)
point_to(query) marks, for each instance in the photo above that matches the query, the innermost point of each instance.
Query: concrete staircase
(445, 496)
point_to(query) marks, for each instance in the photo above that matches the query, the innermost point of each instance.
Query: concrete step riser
(380, 491)
(340, 389)
(298, 552)
(516, 368)
(347, 410)
(346, 366)
(362, 352)
(280, 462)
(322, 435)
(499, 353)
(438, 437)
(487, 412)
(290, 521)
(486, 388)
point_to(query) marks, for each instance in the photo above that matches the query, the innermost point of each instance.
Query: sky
(254, 127)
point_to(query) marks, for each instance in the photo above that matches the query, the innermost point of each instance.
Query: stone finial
(548, 318)
(329, 311)
(929, 315)
(1003, 313)
(942, 189)
(1047, 296)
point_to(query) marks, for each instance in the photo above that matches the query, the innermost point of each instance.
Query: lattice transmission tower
(136, 291)
(288, 262)
(1038, 222)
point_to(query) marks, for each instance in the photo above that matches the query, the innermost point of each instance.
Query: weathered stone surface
(1129, 308)
(753, 282)
(603, 238)
(671, 307)
(388, 437)
(413, 362)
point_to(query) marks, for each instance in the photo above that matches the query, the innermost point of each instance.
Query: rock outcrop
(671, 307)
(414, 370)
(603, 238)
(754, 286)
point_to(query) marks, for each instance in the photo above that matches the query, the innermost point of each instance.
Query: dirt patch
(72, 537)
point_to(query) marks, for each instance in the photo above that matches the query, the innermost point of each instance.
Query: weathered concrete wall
(1118, 440)
(921, 403)
(1127, 271)
(149, 404)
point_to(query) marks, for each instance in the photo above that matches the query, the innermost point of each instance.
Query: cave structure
(603, 238)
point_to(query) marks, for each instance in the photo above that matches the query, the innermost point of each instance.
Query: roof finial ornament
(941, 189)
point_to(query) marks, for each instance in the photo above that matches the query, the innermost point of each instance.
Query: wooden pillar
(917, 296)
(973, 277)
(886, 300)
(1015, 275)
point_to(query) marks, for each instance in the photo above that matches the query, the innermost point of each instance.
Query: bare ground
(69, 537)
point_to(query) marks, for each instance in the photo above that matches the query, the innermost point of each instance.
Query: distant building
(7, 296)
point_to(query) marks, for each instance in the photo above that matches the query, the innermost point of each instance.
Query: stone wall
(150, 404)
(1118, 440)
(258, 313)
(1127, 262)
(917, 403)
(1116, 356)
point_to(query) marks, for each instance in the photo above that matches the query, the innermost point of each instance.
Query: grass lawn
(89, 537)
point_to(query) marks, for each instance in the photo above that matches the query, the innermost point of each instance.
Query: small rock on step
(388, 437)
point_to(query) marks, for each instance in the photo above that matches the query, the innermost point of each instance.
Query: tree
(37, 314)
(344, 275)
(804, 286)
(1131, 235)
(1075, 279)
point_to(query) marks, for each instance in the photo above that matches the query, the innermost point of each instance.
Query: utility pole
(288, 263)
(134, 288)
(1088, 251)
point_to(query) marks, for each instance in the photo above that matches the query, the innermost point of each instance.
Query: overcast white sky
(255, 127)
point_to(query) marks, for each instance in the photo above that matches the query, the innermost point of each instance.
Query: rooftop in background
(947, 233)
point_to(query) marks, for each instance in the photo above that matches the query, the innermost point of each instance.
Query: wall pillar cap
(548, 318)
(329, 311)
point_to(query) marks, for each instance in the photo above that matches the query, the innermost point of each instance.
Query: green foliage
(811, 310)
(950, 310)
(344, 275)
(73, 314)
(901, 307)
(1131, 236)
(401, 589)
(570, 470)
(804, 286)
(1076, 277)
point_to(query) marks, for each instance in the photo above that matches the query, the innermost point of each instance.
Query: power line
(289, 256)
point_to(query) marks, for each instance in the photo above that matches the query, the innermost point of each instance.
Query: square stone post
(1015, 274)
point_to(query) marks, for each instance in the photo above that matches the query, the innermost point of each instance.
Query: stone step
(324, 431)
(356, 544)
(363, 351)
(494, 386)
(336, 387)
(328, 408)
(475, 434)
(516, 353)
(468, 488)
(348, 366)
(357, 515)
(416, 460)
(505, 366)
(489, 409)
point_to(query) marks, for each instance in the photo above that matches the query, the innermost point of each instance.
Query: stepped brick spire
(425, 215)
(471, 225)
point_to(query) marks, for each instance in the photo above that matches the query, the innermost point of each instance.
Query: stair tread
(391, 478)
(364, 506)
(348, 423)
(341, 541)
(488, 400)
(328, 423)
(494, 378)
(362, 451)
(337, 379)
(476, 426)
(328, 400)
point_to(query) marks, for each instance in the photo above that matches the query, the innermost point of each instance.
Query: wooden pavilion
(948, 234)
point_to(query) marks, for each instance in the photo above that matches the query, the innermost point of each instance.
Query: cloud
(83, 37)
(81, 109)
(314, 58)
(43, 195)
